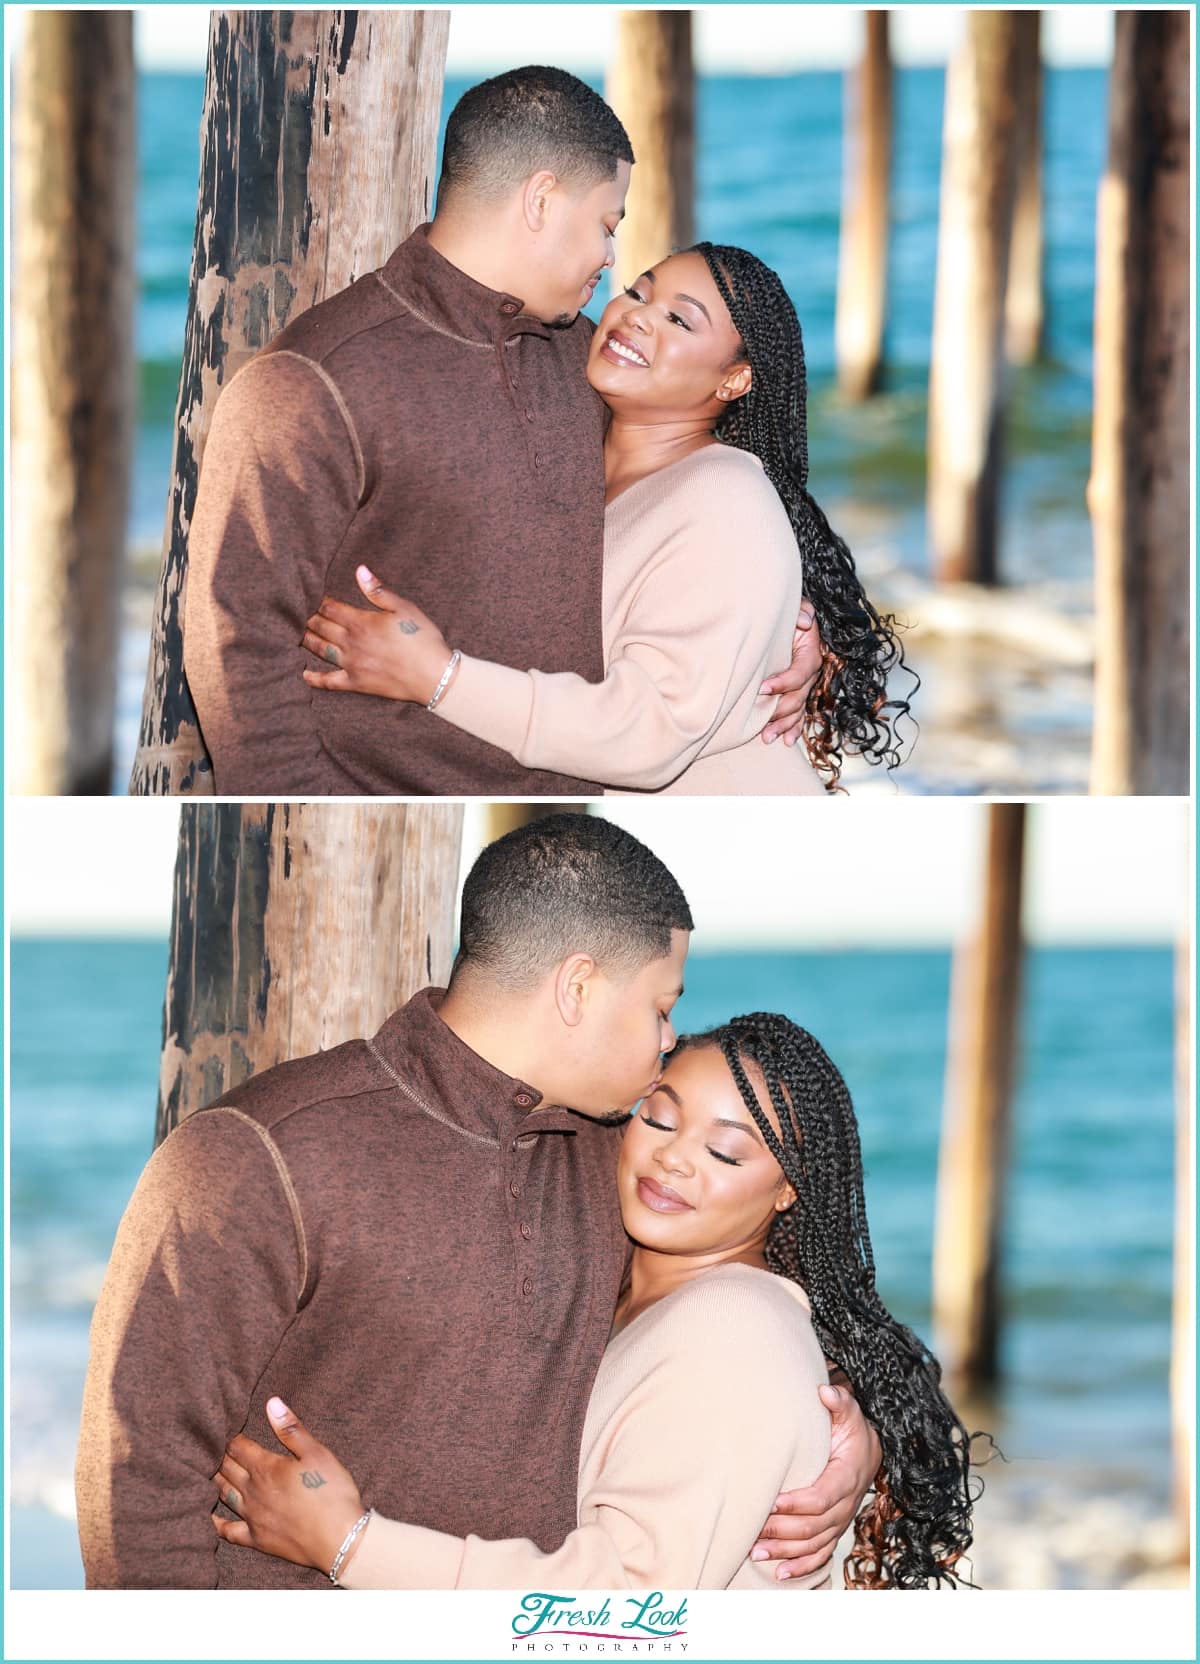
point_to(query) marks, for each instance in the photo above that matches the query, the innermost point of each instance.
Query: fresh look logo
(644, 1624)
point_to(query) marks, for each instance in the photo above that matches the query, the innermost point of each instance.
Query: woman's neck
(635, 446)
(653, 1276)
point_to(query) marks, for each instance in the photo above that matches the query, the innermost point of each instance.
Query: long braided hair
(848, 707)
(918, 1525)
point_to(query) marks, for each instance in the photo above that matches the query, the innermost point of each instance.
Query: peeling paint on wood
(317, 148)
(296, 927)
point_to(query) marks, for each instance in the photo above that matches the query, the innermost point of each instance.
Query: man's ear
(535, 198)
(736, 383)
(573, 983)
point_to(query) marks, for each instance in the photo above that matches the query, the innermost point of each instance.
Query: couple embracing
(450, 538)
(523, 1291)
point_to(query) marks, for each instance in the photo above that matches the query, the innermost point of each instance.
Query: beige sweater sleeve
(722, 1409)
(693, 641)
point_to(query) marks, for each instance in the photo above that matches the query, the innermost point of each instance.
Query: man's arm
(794, 684)
(807, 1524)
(282, 478)
(204, 1278)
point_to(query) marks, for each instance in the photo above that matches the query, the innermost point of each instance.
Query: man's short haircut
(568, 883)
(507, 128)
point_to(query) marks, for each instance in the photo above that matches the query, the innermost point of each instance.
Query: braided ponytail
(848, 708)
(918, 1524)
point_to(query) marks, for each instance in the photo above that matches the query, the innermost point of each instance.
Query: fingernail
(771, 738)
(758, 1554)
(782, 1574)
(276, 1409)
(365, 572)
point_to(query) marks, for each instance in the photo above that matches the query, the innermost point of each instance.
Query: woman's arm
(723, 1411)
(696, 637)
(714, 606)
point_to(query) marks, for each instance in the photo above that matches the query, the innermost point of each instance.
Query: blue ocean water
(769, 178)
(1087, 1244)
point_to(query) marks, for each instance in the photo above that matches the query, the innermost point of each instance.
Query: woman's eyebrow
(698, 304)
(742, 1126)
(670, 1092)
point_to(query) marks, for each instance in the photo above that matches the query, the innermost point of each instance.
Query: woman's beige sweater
(705, 1407)
(702, 587)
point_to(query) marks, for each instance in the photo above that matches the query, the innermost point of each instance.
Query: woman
(740, 1183)
(711, 537)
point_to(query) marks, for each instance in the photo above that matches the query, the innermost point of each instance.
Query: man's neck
(477, 248)
(491, 1035)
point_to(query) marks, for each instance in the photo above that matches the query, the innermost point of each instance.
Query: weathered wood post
(980, 1075)
(298, 926)
(317, 148)
(1025, 305)
(966, 383)
(1139, 493)
(863, 249)
(652, 88)
(73, 391)
(1183, 1354)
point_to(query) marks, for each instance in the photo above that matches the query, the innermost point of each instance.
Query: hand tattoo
(311, 1480)
(330, 654)
(232, 1499)
(408, 627)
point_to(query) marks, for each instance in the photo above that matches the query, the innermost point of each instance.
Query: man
(409, 1237)
(434, 423)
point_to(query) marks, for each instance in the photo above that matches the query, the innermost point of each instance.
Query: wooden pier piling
(980, 1077)
(967, 382)
(317, 149)
(863, 246)
(73, 392)
(652, 88)
(1140, 490)
(296, 927)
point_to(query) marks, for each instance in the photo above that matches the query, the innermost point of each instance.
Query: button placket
(520, 1153)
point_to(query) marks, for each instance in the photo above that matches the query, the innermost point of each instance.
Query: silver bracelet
(348, 1542)
(446, 675)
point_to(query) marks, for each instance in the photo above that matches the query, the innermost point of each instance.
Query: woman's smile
(621, 350)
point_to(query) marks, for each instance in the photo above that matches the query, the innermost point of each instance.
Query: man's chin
(607, 1117)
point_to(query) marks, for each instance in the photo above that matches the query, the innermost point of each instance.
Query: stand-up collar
(454, 1083)
(450, 301)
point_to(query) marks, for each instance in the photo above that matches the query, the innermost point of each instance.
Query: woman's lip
(660, 1198)
(615, 357)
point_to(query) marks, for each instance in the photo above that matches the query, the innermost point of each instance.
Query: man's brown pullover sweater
(421, 424)
(396, 1238)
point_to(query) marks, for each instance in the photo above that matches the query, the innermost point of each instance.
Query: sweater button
(526, 1232)
(523, 1100)
(514, 1189)
(509, 308)
(527, 1286)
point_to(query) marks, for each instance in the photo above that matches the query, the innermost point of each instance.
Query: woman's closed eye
(662, 1126)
